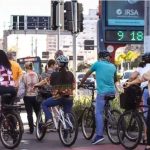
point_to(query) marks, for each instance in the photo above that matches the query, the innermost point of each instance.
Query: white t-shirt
(141, 71)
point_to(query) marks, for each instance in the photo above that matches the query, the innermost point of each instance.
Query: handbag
(21, 89)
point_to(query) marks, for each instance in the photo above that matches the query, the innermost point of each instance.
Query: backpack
(131, 97)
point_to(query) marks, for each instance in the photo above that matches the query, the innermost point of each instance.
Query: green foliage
(80, 103)
(84, 101)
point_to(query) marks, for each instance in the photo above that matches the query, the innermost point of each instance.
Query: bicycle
(11, 126)
(111, 117)
(130, 127)
(65, 124)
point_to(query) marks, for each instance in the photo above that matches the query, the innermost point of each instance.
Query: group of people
(62, 83)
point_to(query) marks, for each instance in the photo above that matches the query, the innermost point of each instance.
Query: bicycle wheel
(69, 134)
(11, 129)
(129, 129)
(111, 126)
(88, 123)
(40, 125)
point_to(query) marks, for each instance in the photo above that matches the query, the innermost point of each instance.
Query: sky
(31, 7)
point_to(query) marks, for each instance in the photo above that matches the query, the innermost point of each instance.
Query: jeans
(145, 97)
(99, 112)
(66, 102)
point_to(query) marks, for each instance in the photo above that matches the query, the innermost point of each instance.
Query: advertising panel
(125, 13)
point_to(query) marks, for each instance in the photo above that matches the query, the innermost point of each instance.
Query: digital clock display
(124, 36)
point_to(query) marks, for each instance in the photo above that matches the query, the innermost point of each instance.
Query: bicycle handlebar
(89, 87)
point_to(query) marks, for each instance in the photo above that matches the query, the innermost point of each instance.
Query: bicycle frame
(107, 111)
(58, 115)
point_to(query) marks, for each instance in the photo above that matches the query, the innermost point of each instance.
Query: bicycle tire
(40, 126)
(88, 123)
(11, 126)
(132, 124)
(112, 123)
(72, 128)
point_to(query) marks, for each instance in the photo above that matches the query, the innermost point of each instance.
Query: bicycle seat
(109, 97)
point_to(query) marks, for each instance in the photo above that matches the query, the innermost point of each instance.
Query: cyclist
(138, 75)
(105, 79)
(63, 84)
(6, 79)
(137, 79)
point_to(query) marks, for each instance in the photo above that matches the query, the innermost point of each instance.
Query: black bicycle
(11, 126)
(111, 117)
(131, 126)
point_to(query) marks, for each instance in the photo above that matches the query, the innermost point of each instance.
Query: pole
(74, 24)
(147, 27)
(58, 29)
(74, 16)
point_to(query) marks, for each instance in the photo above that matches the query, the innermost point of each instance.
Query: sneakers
(97, 139)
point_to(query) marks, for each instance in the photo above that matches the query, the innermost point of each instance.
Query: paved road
(52, 142)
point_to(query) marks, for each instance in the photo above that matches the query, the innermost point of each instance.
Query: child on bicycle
(63, 84)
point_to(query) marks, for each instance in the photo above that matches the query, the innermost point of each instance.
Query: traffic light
(68, 19)
(54, 14)
(68, 16)
(79, 17)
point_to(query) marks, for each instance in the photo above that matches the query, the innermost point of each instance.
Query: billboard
(125, 13)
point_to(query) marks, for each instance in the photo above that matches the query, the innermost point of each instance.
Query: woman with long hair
(6, 78)
(63, 84)
(30, 78)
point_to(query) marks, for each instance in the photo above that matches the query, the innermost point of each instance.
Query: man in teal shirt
(105, 79)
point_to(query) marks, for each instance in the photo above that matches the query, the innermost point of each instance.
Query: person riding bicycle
(63, 84)
(139, 73)
(138, 78)
(105, 79)
(7, 84)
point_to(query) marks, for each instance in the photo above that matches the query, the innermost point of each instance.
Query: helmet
(62, 60)
(103, 54)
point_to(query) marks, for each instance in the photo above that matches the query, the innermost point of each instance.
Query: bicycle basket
(131, 97)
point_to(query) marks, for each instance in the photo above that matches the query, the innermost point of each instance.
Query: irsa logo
(131, 12)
